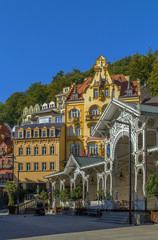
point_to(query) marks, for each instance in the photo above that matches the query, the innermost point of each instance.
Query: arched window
(28, 151)
(74, 113)
(75, 149)
(20, 151)
(78, 131)
(71, 132)
(2, 175)
(44, 150)
(95, 111)
(93, 149)
(52, 150)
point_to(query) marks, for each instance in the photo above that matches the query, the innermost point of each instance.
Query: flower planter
(154, 216)
(58, 210)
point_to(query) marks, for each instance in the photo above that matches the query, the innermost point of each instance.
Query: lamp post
(17, 188)
(130, 177)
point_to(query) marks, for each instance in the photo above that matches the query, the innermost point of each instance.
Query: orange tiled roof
(123, 85)
(4, 131)
(80, 89)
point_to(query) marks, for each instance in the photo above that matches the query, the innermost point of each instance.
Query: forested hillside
(144, 67)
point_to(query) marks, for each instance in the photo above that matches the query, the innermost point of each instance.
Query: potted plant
(56, 193)
(76, 194)
(152, 191)
(43, 197)
(10, 189)
(64, 196)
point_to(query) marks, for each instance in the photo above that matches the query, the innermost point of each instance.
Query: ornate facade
(86, 102)
(111, 173)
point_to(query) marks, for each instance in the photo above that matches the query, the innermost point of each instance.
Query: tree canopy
(144, 67)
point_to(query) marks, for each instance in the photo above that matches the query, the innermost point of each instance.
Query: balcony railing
(6, 166)
(92, 117)
(74, 119)
(4, 180)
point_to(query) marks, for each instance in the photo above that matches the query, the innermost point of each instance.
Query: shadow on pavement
(24, 226)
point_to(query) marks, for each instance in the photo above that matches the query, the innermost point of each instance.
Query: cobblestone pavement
(61, 227)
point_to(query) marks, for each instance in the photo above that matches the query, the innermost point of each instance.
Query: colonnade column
(136, 185)
(53, 199)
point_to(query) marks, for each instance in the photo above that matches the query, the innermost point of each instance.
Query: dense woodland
(144, 67)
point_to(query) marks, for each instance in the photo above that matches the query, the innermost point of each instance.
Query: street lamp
(130, 178)
(17, 188)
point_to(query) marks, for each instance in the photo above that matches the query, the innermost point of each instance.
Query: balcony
(92, 117)
(6, 166)
(74, 120)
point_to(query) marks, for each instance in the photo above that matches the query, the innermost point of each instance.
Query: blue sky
(40, 37)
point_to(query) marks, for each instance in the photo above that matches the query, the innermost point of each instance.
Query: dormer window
(75, 96)
(44, 133)
(129, 92)
(36, 134)
(120, 79)
(20, 134)
(66, 90)
(28, 134)
(52, 133)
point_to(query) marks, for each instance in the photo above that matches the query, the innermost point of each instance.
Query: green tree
(101, 194)
(153, 80)
(152, 186)
(10, 189)
(76, 193)
(64, 196)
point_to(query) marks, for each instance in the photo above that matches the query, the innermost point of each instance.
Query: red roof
(122, 84)
(80, 89)
(5, 135)
(119, 80)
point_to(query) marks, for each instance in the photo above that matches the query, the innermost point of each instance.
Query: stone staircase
(28, 207)
(122, 217)
(115, 217)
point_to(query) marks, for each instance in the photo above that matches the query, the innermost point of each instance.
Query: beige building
(39, 149)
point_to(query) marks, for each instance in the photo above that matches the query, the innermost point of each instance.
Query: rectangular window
(44, 166)
(60, 99)
(52, 133)
(58, 119)
(106, 92)
(75, 96)
(28, 135)
(95, 93)
(28, 151)
(60, 106)
(44, 150)
(52, 166)
(44, 134)
(36, 166)
(50, 120)
(36, 134)
(28, 166)
(35, 150)
(20, 151)
(66, 90)
(20, 134)
(20, 166)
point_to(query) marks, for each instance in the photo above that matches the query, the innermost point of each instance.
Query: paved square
(69, 227)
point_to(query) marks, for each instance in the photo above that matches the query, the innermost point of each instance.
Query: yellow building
(60, 99)
(86, 102)
(39, 149)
